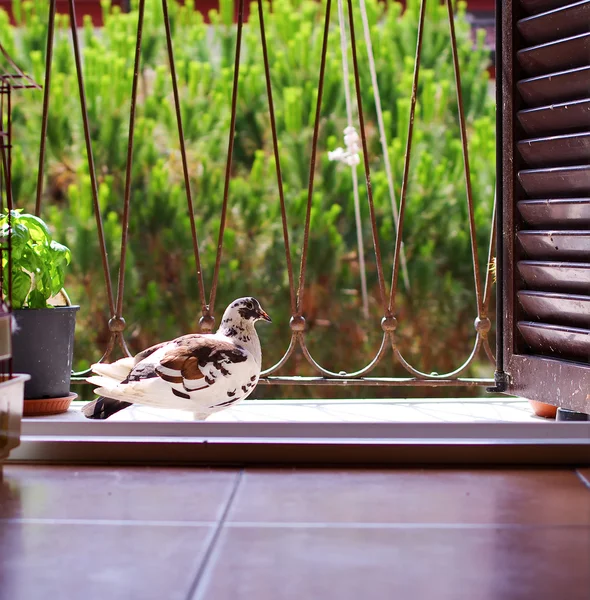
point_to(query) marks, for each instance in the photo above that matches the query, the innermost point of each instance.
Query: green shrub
(435, 315)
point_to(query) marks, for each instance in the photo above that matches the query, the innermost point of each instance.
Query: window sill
(466, 432)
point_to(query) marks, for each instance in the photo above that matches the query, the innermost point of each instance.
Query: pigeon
(199, 372)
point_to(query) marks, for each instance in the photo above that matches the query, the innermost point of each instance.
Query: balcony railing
(353, 35)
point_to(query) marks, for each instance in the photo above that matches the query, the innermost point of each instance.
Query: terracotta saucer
(48, 406)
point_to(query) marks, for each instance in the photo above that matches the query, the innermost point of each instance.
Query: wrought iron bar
(435, 376)
(117, 322)
(467, 170)
(406, 172)
(91, 167)
(45, 110)
(359, 101)
(275, 146)
(206, 321)
(314, 145)
(342, 374)
(230, 153)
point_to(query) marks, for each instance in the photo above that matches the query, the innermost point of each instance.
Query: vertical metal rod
(187, 185)
(45, 112)
(275, 144)
(129, 165)
(91, 168)
(406, 172)
(8, 153)
(467, 170)
(230, 152)
(499, 193)
(359, 101)
(314, 145)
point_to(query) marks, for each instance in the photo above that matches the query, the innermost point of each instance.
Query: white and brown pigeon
(200, 372)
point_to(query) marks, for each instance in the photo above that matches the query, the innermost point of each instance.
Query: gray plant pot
(43, 347)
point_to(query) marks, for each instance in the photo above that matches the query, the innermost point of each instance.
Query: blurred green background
(435, 314)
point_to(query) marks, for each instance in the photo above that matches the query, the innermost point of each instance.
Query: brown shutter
(544, 167)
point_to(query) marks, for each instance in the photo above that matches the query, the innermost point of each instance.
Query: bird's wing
(148, 352)
(193, 361)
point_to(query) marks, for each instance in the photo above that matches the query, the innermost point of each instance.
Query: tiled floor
(188, 534)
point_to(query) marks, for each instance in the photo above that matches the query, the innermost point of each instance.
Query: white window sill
(439, 431)
(402, 410)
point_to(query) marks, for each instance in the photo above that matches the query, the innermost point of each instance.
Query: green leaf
(37, 228)
(21, 285)
(36, 300)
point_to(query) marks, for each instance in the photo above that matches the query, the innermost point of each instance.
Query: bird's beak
(264, 316)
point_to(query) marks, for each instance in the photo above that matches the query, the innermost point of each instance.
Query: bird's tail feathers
(103, 408)
(118, 370)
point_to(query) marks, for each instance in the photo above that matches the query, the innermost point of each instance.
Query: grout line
(112, 522)
(399, 526)
(583, 479)
(283, 525)
(213, 545)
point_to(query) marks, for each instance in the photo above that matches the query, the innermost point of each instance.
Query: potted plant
(43, 342)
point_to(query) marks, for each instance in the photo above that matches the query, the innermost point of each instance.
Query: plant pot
(37, 407)
(547, 411)
(11, 411)
(43, 347)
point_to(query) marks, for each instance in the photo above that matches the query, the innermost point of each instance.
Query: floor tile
(585, 476)
(412, 496)
(75, 562)
(432, 564)
(114, 493)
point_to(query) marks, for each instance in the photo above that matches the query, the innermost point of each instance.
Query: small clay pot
(34, 407)
(547, 411)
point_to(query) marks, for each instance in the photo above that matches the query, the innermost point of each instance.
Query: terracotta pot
(547, 411)
(34, 407)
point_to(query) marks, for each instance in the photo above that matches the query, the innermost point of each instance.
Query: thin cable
(355, 183)
(382, 136)
(359, 102)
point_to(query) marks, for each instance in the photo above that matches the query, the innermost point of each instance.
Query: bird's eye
(250, 305)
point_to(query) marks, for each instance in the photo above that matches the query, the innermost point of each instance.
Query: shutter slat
(560, 309)
(555, 245)
(534, 7)
(560, 181)
(562, 117)
(564, 21)
(573, 84)
(556, 340)
(556, 150)
(558, 55)
(569, 277)
(570, 212)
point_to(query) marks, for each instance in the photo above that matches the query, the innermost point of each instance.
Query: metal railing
(388, 295)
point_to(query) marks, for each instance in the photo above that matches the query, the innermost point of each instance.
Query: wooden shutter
(544, 167)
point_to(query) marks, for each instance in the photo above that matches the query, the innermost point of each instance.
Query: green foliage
(38, 261)
(435, 314)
